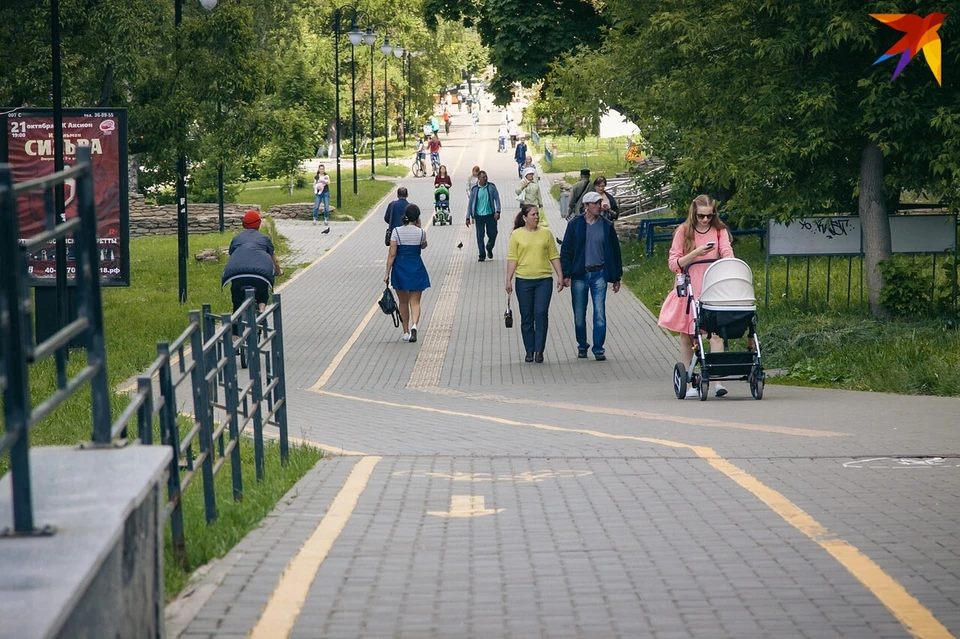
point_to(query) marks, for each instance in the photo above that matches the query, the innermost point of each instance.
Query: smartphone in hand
(710, 245)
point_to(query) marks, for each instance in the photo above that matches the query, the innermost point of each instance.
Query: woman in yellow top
(530, 254)
(528, 192)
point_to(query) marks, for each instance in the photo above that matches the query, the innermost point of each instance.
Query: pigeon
(460, 245)
(325, 231)
(559, 241)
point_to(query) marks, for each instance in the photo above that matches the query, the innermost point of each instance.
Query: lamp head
(386, 48)
(355, 34)
(398, 51)
(208, 4)
(369, 38)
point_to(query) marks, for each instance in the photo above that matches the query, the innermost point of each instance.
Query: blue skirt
(409, 272)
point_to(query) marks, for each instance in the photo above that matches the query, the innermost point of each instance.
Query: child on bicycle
(421, 155)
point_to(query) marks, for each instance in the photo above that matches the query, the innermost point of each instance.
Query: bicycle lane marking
(287, 600)
(907, 609)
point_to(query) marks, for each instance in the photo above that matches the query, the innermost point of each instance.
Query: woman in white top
(405, 267)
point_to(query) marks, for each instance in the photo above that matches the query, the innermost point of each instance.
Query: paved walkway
(473, 495)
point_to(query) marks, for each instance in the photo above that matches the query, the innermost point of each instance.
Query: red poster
(31, 155)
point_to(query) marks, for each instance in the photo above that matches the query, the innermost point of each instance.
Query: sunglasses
(704, 217)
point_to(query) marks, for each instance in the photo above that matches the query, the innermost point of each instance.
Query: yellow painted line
(332, 368)
(908, 610)
(288, 598)
(646, 415)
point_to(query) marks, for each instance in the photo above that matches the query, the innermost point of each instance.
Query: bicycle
(417, 168)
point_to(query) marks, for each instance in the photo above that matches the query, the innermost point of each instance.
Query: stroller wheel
(756, 384)
(680, 381)
(703, 389)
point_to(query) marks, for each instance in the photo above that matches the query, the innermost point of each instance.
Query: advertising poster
(29, 146)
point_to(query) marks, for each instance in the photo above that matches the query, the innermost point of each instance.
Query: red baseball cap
(251, 220)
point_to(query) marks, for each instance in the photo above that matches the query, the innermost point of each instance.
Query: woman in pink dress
(702, 237)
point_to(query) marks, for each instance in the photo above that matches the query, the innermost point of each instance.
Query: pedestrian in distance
(703, 236)
(434, 146)
(590, 259)
(520, 156)
(574, 206)
(483, 209)
(395, 210)
(475, 118)
(531, 253)
(513, 130)
(608, 204)
(422, 155)
(528, 192)
(528, 164)
(405, 269)
(252, 264)
(472, 180)
(321, 195)
(502, 138)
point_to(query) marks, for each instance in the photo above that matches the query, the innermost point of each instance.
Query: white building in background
(614, 125)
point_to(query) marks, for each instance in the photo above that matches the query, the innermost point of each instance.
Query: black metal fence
(221, 403)
(17, 350)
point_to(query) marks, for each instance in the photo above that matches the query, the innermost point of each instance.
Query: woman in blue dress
(405, 267)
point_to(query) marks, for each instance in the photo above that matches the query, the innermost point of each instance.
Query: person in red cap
(252, 263)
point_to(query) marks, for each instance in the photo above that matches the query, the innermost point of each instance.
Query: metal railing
(223, 407)
(17, 351)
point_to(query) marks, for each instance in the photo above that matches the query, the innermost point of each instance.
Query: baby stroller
(441, 206)
(727, 308)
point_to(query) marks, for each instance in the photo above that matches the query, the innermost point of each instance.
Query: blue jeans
(597, 287)
(325, 200)
(533, 302)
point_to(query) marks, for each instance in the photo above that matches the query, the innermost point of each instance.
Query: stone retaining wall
(146, 219)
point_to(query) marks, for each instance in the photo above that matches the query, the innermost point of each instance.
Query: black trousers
(486, 225)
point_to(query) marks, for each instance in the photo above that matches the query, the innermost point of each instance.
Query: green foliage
(523, 38)
(906, 290)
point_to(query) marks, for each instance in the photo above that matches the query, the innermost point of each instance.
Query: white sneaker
(692, 393)
(721, 391)
(405, 337)
(314, 222)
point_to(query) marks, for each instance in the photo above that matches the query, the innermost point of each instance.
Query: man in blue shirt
(394, 215)
(589, 258)
(484, 210)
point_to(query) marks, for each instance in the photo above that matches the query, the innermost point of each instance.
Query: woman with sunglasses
(701, 237)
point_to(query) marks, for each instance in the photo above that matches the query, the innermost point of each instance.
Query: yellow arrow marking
(466, 506)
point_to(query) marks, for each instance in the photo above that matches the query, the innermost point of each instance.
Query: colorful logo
(921, 35)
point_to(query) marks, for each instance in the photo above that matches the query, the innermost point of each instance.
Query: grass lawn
(268, 193)
(136, 318)
(825, 344)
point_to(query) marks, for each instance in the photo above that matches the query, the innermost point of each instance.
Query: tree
(778, 103)
(523, 37)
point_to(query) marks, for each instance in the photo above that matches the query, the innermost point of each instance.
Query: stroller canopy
(728, 284)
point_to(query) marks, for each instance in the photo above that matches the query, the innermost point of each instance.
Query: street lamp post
(182, 220)
(356, 37)
(386, 49)
(370, 39)
(398, 51)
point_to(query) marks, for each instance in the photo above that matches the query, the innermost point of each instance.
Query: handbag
(388, 304)
(508, 315)
(386, 238)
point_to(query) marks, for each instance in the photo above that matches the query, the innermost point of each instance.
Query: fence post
(145, 412)
(16, 399)
(256, 387)
(230, 396)
(170, 436)
(201, 405)
(279, 373)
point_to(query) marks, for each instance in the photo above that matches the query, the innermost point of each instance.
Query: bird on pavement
(460, 245)
(325, 231)
(559, 241)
